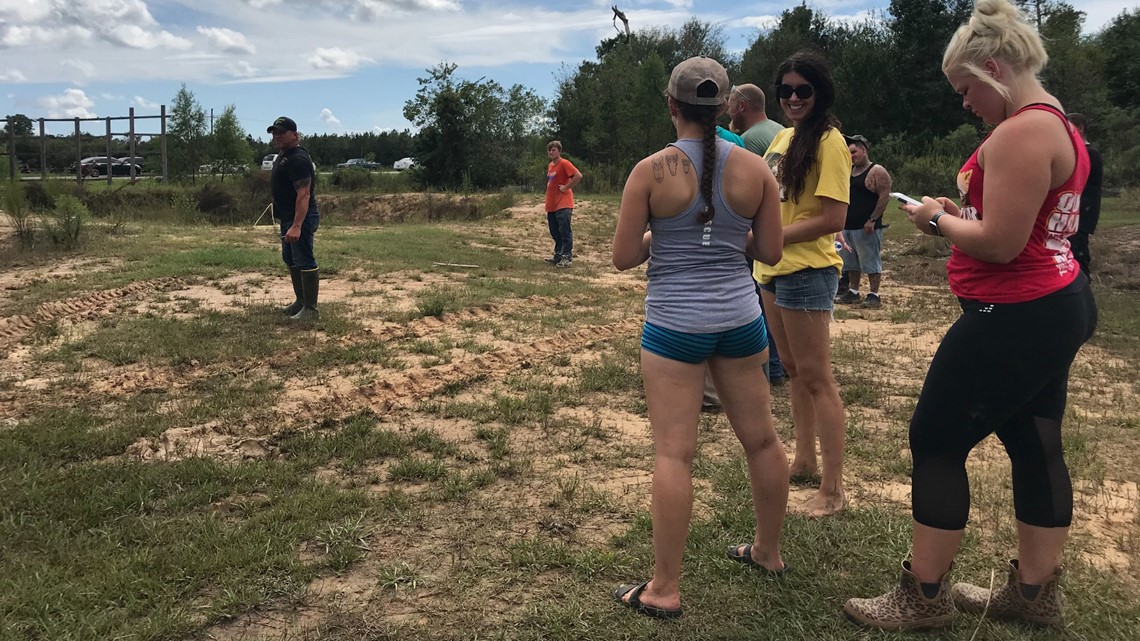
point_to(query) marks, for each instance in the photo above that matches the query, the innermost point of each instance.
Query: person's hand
(920, 215)
(841, 238)
(293, 235)
(561, 189)
(869, 227)
(949, 206)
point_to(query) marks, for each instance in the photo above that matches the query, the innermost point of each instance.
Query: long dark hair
(804, 148)
(705, 115)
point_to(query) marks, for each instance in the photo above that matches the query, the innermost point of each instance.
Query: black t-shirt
(863, 202)
(1090, 197)
(292, 165)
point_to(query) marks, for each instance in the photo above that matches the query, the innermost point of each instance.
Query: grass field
(463, 452)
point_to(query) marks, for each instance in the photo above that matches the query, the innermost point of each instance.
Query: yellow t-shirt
(831, 178)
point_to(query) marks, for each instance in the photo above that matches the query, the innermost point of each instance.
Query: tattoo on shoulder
(302, 183)
(686, 164)
(658, 169)
(671, 160)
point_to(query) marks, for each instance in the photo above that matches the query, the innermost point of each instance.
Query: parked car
(358, 163)
(267, 162)
(222, 167)
(404, 163)
(97, 166)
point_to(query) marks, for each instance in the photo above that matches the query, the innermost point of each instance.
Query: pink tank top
(1046, 263)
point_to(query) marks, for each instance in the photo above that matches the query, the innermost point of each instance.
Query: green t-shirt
(760, 136)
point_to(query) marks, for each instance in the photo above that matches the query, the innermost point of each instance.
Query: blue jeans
(811, 289)
(559, 223)
(300, 253)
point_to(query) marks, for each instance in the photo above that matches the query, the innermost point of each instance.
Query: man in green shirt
(746, 109)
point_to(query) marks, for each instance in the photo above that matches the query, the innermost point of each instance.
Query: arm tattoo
(301, 183)
(658, 170)
(686, 164)
(672, 162)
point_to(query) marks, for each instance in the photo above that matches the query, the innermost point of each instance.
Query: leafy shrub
(927, 176)
(217, 203)
(352, 179)
(66, 225)
(39, 195)
(16, 206)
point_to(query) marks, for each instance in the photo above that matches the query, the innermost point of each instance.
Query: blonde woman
(1003, 367)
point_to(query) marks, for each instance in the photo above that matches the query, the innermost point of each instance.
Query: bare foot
(803, 474)
(822, 505)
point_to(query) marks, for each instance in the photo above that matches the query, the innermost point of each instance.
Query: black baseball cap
(283, 123)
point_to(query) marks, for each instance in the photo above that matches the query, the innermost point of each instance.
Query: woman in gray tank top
(706, 205)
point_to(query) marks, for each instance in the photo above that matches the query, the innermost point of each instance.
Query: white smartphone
(904, 199)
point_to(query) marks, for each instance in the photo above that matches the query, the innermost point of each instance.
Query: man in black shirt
(295, 205)
(1090, 200)
(863, 230)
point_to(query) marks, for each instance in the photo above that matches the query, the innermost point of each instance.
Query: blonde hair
(997, 29)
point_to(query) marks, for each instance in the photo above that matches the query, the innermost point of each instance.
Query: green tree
(612, 110)
(921, 102)
(187, 133)
(472, 133)
(1120, 42)
(19, 124)
(228, 141)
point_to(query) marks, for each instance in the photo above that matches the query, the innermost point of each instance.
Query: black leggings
(1003, 369)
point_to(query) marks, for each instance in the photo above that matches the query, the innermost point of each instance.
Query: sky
(334, 66)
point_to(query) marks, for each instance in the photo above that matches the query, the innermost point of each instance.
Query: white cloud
(139, 101)
(12, 75)
(72, 103)
(381, 130)
(126, 23)
(337, 59)
(227, 40)
(329, 119)
(82, 66)
(241, 69)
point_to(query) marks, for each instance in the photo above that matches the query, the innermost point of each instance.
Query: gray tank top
(699, 281)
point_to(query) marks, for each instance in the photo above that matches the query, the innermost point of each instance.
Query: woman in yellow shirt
(813, 167)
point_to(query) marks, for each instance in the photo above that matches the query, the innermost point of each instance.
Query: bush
(65, 227)
(927, 176)
(40, 196)
(352, 179)
(217, 203)
(16, 206)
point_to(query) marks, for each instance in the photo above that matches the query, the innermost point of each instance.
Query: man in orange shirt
(561, 176)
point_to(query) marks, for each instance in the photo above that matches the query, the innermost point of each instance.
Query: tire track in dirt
(15, 327)
(400, 390)
(431, 325)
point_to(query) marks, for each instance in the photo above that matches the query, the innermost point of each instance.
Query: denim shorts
(811, 290)
(866, 251)
(741, 342)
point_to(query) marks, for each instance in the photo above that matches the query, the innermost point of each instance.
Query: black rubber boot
(299, 303)
(310, 286)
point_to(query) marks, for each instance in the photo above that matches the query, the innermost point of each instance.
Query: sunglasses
(803, 92)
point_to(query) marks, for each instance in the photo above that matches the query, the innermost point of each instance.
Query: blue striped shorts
(741, 342)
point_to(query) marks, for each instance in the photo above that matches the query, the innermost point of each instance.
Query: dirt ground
(1107, 521)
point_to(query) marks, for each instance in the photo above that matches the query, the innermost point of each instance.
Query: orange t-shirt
(559, 173)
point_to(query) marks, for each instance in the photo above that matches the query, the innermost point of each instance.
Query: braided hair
(705, 115)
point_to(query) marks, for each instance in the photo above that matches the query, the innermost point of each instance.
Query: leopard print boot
(905, 607)
(1009, 602)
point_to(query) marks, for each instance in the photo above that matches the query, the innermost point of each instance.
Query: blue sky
(332, 65)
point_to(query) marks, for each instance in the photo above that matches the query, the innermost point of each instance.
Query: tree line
(610, 111)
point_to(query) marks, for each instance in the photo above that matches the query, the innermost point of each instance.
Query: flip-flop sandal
(634, 591)
(745, 556)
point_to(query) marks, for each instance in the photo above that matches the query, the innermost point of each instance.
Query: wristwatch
(934, 223)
